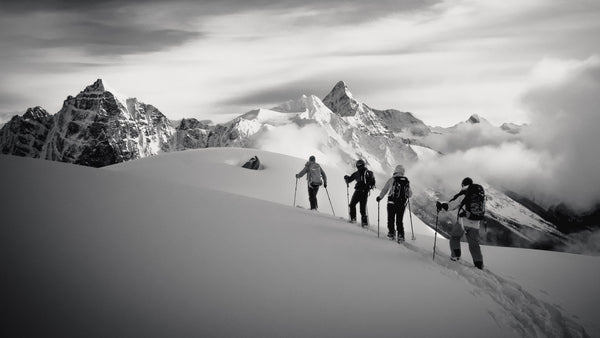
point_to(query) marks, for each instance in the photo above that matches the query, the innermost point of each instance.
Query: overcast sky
(441, 60)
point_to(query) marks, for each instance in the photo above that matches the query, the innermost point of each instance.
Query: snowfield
(191, 244)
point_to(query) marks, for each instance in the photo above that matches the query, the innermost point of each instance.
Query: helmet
(466, 181)
(311, 158)
(360, 163)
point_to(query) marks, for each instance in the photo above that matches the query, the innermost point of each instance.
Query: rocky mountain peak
(96, 87)
(35, 113)
(474, 119)
(340, 101)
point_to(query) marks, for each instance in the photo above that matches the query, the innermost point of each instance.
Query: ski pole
(411, 223)
(435, 236)
(295, 190)
(377, 219)
(348, 198)
(330, 201)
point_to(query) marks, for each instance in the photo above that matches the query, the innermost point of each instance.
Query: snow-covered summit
(310, 108)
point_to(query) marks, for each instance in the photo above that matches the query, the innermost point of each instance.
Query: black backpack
(370, 179)
(400, 188)
(475, 202)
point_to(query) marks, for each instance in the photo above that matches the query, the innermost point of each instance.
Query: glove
(378, 198)
(438, 206)
(297, 176)
(325, 185)
(346, 178)
(445, 206)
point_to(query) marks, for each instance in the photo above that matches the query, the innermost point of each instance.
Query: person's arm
(453, 205)
(324, 177)
(302, 172)
(351, 177)
(385, 189)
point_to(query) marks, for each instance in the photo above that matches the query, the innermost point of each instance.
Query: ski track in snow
(527, 315)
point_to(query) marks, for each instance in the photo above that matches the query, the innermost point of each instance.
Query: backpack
(400, 188)
(475, 202)
(369, 179)
(314, 174)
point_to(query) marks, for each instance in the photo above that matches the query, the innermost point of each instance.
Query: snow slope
(176, 245)
(219, 169)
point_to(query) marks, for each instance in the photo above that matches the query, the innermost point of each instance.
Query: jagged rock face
(25, 136)
(96, 129)
(192, 134)
(341, 102)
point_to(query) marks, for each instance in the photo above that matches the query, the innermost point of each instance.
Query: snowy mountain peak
(310, 106)
(341, 101)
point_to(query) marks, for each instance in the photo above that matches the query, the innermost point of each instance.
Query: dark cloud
(109, 27)
(107, 39)
(351, 10)
(100, 38)
(280, 93)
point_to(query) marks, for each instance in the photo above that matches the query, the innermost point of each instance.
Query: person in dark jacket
(316, 176)
(365, 181)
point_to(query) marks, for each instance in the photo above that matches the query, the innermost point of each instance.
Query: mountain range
(98, 128)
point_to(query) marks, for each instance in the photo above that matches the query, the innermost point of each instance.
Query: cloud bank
(556, 159)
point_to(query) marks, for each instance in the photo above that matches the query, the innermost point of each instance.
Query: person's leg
(391, 214)
(455, 236)
(353, 202)
(400, 217)
(363, 207)
(312, 196)
(473, 240)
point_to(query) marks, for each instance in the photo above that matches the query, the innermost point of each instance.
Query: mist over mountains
(97, 128)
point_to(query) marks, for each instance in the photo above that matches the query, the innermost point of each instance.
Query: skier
(365, 181)
(470, 213)
(316, 177)
(399, 193)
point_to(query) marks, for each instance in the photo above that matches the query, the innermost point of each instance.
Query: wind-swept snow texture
(191, 244)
